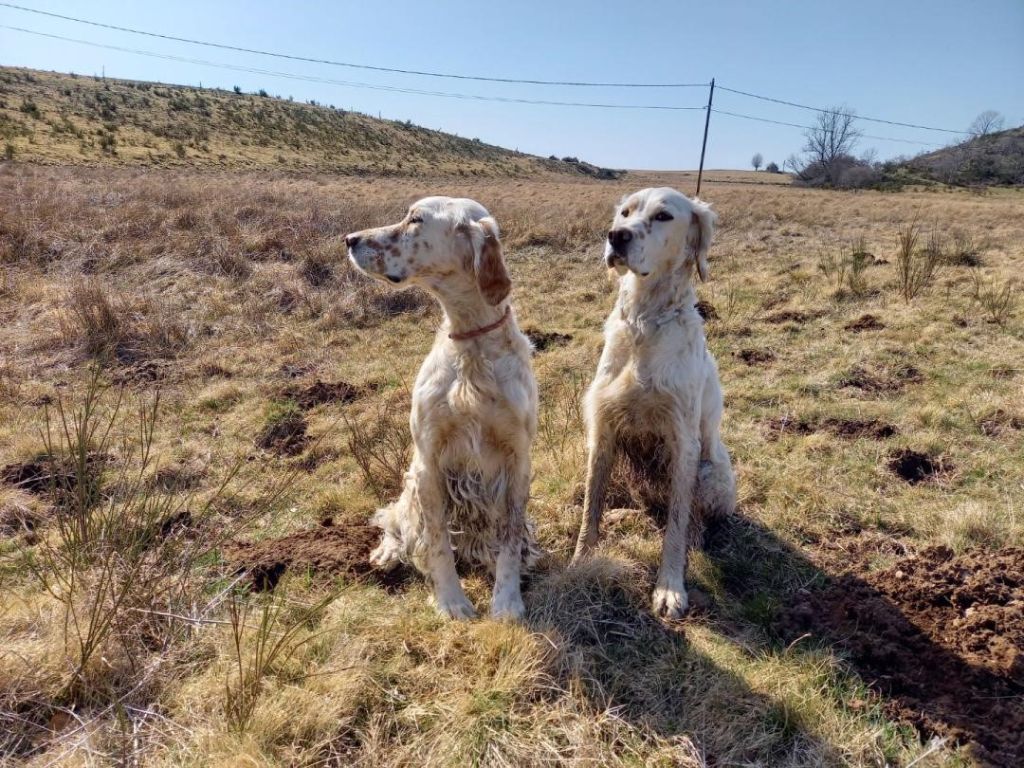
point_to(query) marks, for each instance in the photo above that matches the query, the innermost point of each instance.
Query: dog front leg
(507, 600)
(439, 559)
(670, 599)
(599, 466)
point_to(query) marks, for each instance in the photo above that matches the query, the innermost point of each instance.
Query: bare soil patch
(880, 381)
(756, 356)
(327, 550)
(285, 436)
(706, 310)
(43, 474)
(851, 428)
(793, 316)
(915, 467)
(321, 393)
(1000, 422)
(866, 322)
(940, 637)
(544, 340)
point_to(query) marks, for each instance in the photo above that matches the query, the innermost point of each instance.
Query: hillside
(60, 119)
(995, 159)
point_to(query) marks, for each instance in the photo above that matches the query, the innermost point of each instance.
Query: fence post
(704, 145)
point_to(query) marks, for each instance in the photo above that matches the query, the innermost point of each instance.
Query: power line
(819, 109)
(293, 57)
(346, 83)
(812, 128)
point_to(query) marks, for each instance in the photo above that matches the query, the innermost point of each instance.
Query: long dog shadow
(768, 599)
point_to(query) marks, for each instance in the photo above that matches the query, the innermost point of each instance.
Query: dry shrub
(997, 299)
(915, 266)
(121, 328)
(356, 301)
(381, 446)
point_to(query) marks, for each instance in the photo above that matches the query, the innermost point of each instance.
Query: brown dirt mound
(840, 427)
(756, 356)
(916, 467)
(544, 340)
(941, 637)
(999, 422)
(793, 316)
(706, 310)
(321, 393)
(328, 549)
(43, 474)
(880, 381)
(866, 322)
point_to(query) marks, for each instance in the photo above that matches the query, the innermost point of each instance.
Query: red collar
(467, 335)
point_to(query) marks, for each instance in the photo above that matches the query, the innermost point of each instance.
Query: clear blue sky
(934, 62)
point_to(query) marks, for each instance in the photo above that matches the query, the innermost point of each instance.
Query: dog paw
(508, 608)
(670, 602)
(385, 556)
(455, 607)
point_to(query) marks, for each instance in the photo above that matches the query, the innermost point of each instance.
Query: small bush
(915, 267)
(962, 251)
(997, 300)
(381, 447)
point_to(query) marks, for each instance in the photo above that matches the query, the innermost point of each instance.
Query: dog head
(443, 242)
(657, 230)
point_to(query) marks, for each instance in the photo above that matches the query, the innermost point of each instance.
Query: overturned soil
(939, 636)
(793, 316)
(851, 428)
(44, 474)
(322, 392)
(327, 550)
(756, 356)
(544, 340)
(706, 310)
(916, 467)
(880, 380)
(866, 322)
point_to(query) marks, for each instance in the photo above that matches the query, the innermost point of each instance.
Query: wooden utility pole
(704, 146)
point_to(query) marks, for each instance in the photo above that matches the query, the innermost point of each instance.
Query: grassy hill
(997, 158)
(61, 119)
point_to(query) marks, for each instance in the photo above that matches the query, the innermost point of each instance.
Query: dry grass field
(201, 404)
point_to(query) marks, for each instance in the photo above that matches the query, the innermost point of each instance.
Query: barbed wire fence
(694, 87)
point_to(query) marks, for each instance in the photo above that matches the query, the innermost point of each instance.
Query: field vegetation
(201, 404)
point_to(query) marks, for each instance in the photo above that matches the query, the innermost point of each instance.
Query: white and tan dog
(474, 407)
(656, 397)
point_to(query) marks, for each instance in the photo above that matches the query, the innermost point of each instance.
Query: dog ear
(491, 274)
(698, 237)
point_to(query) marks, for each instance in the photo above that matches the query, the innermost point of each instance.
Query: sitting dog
(656, 397)
(474, 407)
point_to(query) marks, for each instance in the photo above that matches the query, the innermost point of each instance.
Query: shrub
(772, 167)
(915, 267)
(997, 300)
(380, 446)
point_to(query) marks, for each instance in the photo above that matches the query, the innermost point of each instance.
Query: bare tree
(756, 161)
(834, 136)
(987, 122)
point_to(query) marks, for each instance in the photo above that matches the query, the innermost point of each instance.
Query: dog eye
(663, 216)
(416, 219)
(625, 212)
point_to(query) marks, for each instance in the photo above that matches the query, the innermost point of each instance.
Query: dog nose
(619, 237)
(352, 240)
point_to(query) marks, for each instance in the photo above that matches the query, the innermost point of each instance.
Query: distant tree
(828, 147)
(987, 122)
(263, 93)
(772, 167)
(238, 89)
(756, 161)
